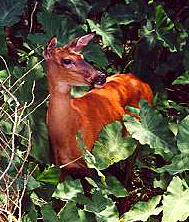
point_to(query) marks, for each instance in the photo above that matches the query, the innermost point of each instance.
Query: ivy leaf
(110, 214)
(11, 11)
(176, 201)
(109, 142)
(152, 130)
(49, 214)
(69, 213)
(107, 29)
(68, 190)
(97, 204)
(142, 210)
(50, 175)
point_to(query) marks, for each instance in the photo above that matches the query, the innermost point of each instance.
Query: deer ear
(79, 43)
(52, 43)
(50, 47)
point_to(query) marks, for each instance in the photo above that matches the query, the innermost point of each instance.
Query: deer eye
(66, 62)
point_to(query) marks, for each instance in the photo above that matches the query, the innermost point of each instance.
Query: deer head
(67, 65)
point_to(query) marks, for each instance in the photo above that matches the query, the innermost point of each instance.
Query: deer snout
(99, 80)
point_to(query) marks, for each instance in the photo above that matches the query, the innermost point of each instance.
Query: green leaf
(50, 175)
(152, 130)
(49, 4)
(107, 29)
(78, 9)
(183, 79)
(63, 27)
(94, 53)
(165, 28)
(109, 142)
(11, 11)
(68, 190)
(127, 13)
(6, 126)
(3, 75)
(110, 214)
(141, 211)
(3, 48)
(31, 216)
(69, 213)
(179, 164)
(40, 143)
(99, 5)
(183, 136)
(176, 201)
(122, 14)
(115, 187)
(97, 204)
(32, 184)
(49, 214)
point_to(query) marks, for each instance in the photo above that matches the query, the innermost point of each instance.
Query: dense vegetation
(147, 38)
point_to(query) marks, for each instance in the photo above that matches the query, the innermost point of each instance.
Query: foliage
(148, 38)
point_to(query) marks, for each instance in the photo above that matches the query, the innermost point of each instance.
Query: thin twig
(32, 14)
(35, 108)
(18, 80)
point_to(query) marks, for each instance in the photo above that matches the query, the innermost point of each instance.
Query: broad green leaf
(94, 53)
(183, 79)
(97, 204)
(107, 29)
(179, 164)
(112, 147)
(3, 48)
(165, 28)
(176, 201)
(183, 136)
(38, 39)
(78, 9)
(6, 126)
(128, 13)
(63, 27)
(69, 213)
(122, 13)
(32, 184)
(31, 216)
(99, 5)
(11, 11)
(3, 75)
(110, 214)
(40, 143)
(186, 59)
(49, 4)
(50, 175)
(115, 187)
(49, 214)
(141, 211)
(68, 190)
(152, 130)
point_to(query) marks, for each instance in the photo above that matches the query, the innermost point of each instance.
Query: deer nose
(99, 80)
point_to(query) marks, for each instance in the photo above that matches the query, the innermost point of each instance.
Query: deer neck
(62, 122)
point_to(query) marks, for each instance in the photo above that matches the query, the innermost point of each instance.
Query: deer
(87, 115)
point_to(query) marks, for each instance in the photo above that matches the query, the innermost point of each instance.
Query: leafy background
(142, 177)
